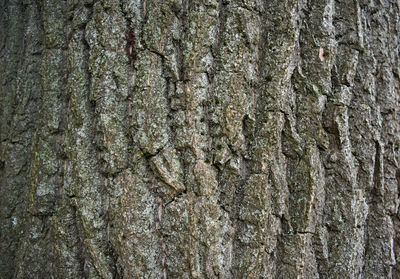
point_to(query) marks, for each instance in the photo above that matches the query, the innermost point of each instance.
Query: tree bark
(199, 139)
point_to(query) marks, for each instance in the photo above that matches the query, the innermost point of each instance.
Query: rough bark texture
(199, 139)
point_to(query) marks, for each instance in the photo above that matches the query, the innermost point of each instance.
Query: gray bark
(199, 139)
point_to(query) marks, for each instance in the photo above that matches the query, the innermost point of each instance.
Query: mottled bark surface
(199, 139)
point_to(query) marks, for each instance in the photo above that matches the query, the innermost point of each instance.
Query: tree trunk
(199, 139)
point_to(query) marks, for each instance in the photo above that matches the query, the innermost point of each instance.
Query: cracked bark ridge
(199, 139)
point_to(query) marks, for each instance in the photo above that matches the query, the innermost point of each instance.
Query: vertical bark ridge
(305, 175)
(46, 168)
(350, 228)
(380, 260)
(21, 54)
